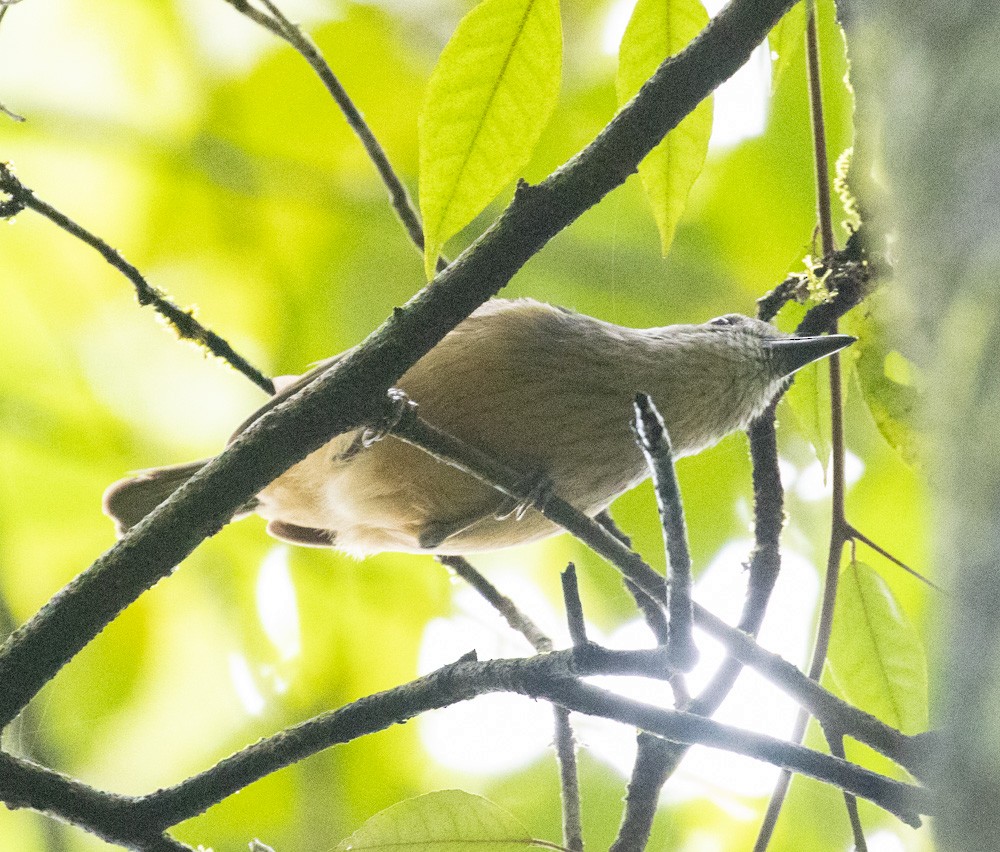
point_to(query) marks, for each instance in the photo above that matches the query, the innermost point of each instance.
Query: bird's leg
(537, 491)
(436, 533)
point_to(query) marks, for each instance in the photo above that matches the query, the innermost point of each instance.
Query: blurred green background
(210, 156)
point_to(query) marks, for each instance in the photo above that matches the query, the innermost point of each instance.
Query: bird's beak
(793, 353)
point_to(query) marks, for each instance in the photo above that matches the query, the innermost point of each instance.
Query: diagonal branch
(402, 204)
(183, 322)
(24, 784)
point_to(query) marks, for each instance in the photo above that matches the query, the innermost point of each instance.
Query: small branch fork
(564, 742)
(553, 677)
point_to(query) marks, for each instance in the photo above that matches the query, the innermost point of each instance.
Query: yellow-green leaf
(889, 381)
(488, 100)
(876, 657)
(656, 30)
(446, 821)
(786, 40)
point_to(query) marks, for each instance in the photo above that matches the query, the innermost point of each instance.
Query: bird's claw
(538, 490)
(399, 405)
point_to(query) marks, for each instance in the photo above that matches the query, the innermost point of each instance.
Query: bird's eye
(726, 320)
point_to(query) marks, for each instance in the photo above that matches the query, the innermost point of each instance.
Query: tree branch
(548, 677)
(655, 444)
(110, 816)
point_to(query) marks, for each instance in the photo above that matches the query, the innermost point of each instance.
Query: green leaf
(786, 40)
(488, 100)
(446, 821)
(889, 382)
(809, 400)
(876, 656)
(656, 30)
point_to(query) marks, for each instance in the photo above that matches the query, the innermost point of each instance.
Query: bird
(545, 390)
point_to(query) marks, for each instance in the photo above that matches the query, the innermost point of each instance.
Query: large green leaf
(488, 100)
(888, 380)
(658, 29)
(876, 656)
(445, 821)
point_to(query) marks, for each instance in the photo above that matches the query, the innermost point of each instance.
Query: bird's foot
(399, 405)
(436, 533)
(537, 489)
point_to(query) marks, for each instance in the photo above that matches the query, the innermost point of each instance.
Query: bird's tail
(129, 500)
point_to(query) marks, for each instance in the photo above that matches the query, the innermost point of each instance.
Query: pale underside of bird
(546, 391)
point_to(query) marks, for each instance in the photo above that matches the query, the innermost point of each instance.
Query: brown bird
(545, 390)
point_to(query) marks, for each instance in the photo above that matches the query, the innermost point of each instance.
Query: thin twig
(651, 611)
(517, 620)
(574, 608)
(654, 442)
(399, 197)
(182, 321)
(855, 533)
(569, 780)
(650, 768)
(836, 743)
(564, 742)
